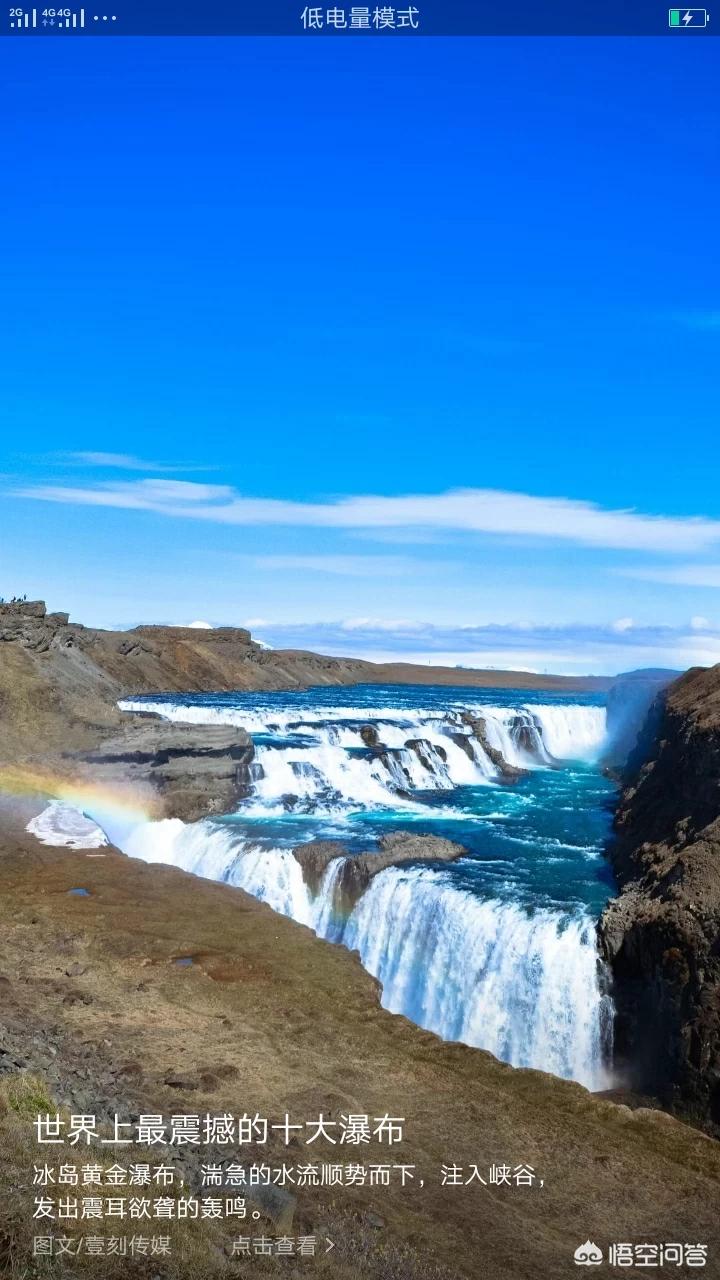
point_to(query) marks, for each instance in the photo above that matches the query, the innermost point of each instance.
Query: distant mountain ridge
(60, 680)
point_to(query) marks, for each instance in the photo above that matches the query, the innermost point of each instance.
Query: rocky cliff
(662, 934)
(59, 680)
(196, 770)
(357, 871)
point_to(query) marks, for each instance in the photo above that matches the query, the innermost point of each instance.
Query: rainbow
(114, 805)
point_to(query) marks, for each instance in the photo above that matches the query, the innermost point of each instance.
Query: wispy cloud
(571, 649)
(124, 462)
(490, 511)
(683, 575)
(471, 638)
(401, 537)
(166, 497)
(393, 625)
(345, 566)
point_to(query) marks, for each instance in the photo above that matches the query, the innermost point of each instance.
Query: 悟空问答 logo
(588, 1255)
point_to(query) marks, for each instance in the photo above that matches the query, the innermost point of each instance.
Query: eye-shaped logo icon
(588, 1255)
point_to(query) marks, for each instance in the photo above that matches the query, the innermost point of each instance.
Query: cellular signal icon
(24, 20)
(50, 19)
(688, 18)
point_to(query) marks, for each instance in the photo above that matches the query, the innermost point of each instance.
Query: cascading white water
(272, 875)
(516, 735)
(280, 719)
(322, 762)
(336, 771)
(579, 735)
(323, 776)
(530, 735)
(524, 985)
(519, 980)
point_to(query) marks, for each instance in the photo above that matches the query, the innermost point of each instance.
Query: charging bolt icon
(683, 18)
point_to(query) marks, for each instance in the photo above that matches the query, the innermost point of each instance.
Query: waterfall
(215, 852)
(327, 920)
(324, 778)
(330, 769)
(497, 961)
(534, 735)
(318, 760)
(572, 733)
(525, 986)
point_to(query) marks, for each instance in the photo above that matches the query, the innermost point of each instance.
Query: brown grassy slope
(270, 1018)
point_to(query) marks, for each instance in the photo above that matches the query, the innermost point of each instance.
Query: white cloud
(121, 462)
(490, 511)
(623, 624)
(197, 626)
(381, 624)
(684, 575)
(571, 649)
(580, 648)
(399, 537)
(699, 623)
(345, 566)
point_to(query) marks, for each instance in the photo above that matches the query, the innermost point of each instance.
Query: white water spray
(324, 761)
(525, 984)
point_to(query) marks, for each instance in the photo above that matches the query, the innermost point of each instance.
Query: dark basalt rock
(395, 849)
(198, 769)
(370, 735)
(421, 747)
(389, 757)
(23, 609)
(526, 736)
(462, 740)
(314, 859)
(476, 725)
(661, 936)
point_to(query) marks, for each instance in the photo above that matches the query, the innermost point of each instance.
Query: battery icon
(688, 17)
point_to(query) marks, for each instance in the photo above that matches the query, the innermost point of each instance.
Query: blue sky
(391, 349)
